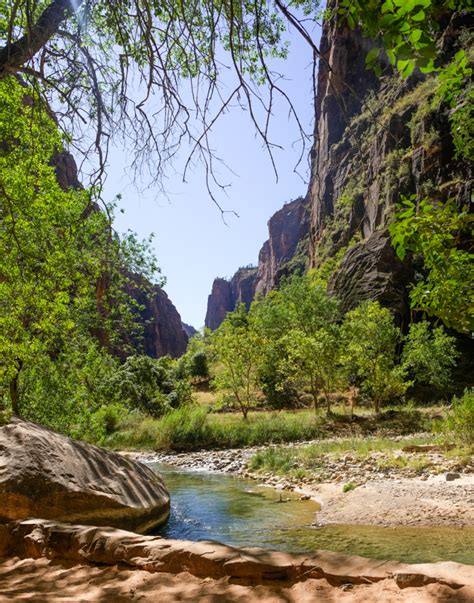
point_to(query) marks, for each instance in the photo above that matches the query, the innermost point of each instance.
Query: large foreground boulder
(47, 475)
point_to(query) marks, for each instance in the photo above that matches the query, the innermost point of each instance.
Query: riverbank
(405, 484)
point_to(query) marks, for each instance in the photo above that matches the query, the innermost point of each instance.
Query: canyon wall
(376, 139)
(285, 251)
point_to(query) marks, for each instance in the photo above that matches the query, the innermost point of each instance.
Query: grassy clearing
(194, 428)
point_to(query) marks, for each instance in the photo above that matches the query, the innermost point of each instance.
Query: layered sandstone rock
(376, 139)
(227, 294)
(286, 249)
(45, 474)
(79, 544)
(370, 270)
(163, 331)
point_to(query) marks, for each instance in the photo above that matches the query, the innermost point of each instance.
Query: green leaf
(419, 16)
(415, 35)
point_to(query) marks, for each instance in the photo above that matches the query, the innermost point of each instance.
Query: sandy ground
(41, 580)
(398, 502)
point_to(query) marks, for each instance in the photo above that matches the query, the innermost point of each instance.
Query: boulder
(47, 475)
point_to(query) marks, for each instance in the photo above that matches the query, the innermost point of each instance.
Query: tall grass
(191, 428)
(194, 428)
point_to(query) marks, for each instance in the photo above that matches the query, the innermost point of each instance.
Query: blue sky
(192, 243)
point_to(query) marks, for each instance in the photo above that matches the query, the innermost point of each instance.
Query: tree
(237, 347)
(315, 358)
(86, 57)
(299, 331)
(429, 355)
(440, 234)
(369, 340)
(62, 272)
(149, 385)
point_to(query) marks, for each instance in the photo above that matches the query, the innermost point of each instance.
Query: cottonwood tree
(369, 341)
(237, 347)
(62, 272)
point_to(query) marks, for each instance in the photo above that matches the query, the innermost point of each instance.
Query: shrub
(460, 420)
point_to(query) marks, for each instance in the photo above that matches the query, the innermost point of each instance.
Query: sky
(192, 243)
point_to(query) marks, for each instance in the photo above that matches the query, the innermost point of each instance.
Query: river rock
(48, 475)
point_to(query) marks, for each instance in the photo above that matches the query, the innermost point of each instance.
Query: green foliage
(149, 385)
(192, 427)
(369, 341)
(237, 345)
(199, 366)
(63, 276)
(439, 233)
(348, 487)
(405, 29)
(297, 326)
(429, 355)
(460, 420)
(456, 89)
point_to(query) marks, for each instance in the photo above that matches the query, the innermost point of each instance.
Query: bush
(149, 385)
(460, 420)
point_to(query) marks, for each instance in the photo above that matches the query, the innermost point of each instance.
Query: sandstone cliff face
(375, 140)
(284, 252)
(227, 294)
(163, 331)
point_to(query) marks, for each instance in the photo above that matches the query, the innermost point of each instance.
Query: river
(236, 511)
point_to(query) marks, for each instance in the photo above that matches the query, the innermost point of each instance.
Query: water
(235, 511)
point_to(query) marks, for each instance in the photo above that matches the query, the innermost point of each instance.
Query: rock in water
(47, 475)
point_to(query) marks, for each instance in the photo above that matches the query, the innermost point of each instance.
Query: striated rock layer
(45, 474)
(375, 140)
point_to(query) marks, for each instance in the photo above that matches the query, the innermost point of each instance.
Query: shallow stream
(236, 511)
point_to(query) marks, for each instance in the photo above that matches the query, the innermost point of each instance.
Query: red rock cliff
(284, 252)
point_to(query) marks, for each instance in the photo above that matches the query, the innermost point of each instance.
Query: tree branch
(16, 54)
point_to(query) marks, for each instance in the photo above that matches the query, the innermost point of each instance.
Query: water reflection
(235, 511)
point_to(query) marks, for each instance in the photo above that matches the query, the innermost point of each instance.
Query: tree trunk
(15, 55)
(377, 406)
(328, 403)
(15, 395)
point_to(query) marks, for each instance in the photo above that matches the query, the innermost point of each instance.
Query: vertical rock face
(227, 294)
(283, 253)
(163, 331)
(375, 140)
(285, 249)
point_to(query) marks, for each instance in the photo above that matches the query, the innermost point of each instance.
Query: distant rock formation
(189, 330)
(227, 294)
(48, 475)
(286, 249)
(284, 252)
